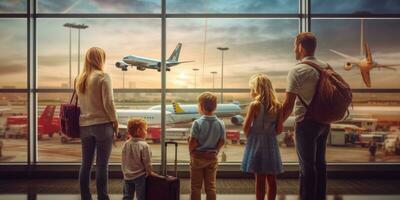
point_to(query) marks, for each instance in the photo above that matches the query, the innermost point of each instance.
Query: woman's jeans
(95, 138)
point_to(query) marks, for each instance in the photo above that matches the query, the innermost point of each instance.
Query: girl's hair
(94, 60)
(263, 92)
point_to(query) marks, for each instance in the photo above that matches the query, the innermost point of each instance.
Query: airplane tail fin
(177, 107)
(368, 54)
(175, 54)
(48, 114)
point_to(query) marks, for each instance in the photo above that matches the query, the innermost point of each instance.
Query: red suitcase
(164, 187)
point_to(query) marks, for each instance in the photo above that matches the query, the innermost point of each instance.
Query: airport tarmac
(52, 150)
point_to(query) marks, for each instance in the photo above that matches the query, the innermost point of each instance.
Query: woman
(98, 121)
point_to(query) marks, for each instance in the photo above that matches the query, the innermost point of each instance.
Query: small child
(136, 161)
(261, 126)
(207, 138)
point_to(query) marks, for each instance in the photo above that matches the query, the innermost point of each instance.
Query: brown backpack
(332, 97)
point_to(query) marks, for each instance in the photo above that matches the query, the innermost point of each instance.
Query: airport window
(72, 6)
(13, 127)
(13, 57)
(12, 6)
(354, 7)
(247, 36)
(234, 6)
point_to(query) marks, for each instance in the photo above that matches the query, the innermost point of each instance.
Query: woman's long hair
(94, 60)
(263, 92)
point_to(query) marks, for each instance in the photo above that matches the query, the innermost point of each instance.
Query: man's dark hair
(308, 41)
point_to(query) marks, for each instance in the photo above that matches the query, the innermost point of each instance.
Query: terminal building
(162, 54)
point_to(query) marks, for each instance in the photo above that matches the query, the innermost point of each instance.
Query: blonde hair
(263, 92)
(94, 60)
(134, 125)
(207, 101)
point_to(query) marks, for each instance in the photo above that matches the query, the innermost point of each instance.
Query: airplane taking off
(366, 63)
(143, 63)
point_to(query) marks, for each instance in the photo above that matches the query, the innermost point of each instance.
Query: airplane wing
(391, 67)
(171, 64)
(366, 77)
(350, 58)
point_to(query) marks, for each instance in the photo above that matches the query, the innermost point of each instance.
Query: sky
(255, 45)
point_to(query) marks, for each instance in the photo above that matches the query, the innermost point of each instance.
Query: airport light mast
(195, 76)
(222, 49)
(213, 77)
(79, 27)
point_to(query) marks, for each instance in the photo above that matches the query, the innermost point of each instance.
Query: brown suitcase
(164, 187)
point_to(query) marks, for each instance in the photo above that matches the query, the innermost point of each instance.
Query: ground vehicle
(16, 126)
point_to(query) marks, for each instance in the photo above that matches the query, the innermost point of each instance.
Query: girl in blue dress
(261, 126)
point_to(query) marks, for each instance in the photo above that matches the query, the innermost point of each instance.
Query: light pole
(195, 76)
(213, 77)
(222, 49)
(79, 27)
(68, 26)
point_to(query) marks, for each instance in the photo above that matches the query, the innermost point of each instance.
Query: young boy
(207, 138)
(136, 161)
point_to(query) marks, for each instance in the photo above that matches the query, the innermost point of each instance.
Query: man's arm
(288, 105)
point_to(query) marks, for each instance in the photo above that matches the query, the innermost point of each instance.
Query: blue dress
(261, 154)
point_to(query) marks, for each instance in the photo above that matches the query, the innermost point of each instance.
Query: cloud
(345, 6)
(12, 6)
(11, 68)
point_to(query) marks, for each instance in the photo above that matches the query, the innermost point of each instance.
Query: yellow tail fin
(177, 108)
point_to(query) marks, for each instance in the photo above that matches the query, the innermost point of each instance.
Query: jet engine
(141, 68)
(237, 120)
(121, 65)
(348, 66)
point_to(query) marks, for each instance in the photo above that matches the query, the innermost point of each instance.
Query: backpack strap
(319, 69)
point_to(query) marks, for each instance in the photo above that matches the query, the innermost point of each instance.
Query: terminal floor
(232, 189)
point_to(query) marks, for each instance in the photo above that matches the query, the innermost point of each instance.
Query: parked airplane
(143, 63)
(365, 64)
(177, 113)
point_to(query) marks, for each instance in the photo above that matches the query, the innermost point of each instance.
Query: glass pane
(13, 127)
(56, 147)
(234, 6)
(374, 117)
(99, 6)
(118, 37)
(360, 6)
(380, 35)
(13, 56)
(13, 6)
(255, 45)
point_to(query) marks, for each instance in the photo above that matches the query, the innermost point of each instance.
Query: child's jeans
(138, 185)
(203, 170)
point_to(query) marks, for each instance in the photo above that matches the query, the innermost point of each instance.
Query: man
(311, 136)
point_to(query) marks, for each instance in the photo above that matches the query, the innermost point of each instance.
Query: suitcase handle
(176, 156)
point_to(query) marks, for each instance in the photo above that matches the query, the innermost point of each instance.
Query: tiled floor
(227, 189)
(186, 197)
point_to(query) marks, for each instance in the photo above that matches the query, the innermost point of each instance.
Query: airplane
(366, 63)
(177, 113)
(143, 63)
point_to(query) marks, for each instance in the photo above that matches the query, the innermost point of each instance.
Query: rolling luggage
(164, 187)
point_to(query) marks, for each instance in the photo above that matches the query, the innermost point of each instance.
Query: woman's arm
(108, 100)
(249, 118)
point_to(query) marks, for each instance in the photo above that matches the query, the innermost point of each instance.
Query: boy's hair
(207, 101)
(134, 125)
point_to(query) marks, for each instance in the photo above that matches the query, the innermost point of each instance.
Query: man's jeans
(137, 185)
(96, 138)
(311, 146)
